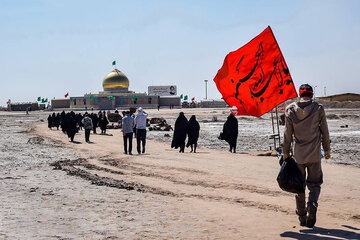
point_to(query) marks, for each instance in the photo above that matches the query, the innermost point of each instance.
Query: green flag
(133, 98)
(186, 97)
(181, 96)
(39, 99)
(91, 97)
(46, 100)
(114, 63)
(111, 98)
(71, 99)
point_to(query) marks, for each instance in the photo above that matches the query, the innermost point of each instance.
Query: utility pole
(315, 91)
(206, 88)
(324, 91)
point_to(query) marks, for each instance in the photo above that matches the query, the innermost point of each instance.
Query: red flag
(193, 99)
(7, 102)
(255, 78)
(66, 95)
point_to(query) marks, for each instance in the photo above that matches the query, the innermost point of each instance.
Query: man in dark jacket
(306, 123)
(180, 129)
(193, 133)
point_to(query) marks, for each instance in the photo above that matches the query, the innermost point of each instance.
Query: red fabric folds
(255, 78)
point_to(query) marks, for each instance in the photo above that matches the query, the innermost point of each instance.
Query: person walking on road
(230, 132)
(88, 125)
(180, 128)
(128, 124)
(305, 122)
(140, 122)
(193, 133)
(103, 122)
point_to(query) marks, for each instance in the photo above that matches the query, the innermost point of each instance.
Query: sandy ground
(163, 194)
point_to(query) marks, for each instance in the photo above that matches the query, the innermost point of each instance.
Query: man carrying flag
(306, 122)
(254, 79)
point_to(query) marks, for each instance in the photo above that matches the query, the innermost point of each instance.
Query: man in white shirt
(140, 122)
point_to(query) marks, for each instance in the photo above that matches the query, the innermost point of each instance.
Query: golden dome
(116, 81)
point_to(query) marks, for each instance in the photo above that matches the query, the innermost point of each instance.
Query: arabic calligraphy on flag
(255, 78)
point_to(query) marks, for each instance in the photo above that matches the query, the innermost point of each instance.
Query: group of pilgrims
(182, 128)
(71, 123)
(191, 129)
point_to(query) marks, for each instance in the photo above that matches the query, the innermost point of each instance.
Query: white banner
(163, 90)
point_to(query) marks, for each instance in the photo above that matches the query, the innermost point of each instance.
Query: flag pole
(273, 128)
(277, 123)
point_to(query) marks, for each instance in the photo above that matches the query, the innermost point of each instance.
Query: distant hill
(346, 100)
(342, 97)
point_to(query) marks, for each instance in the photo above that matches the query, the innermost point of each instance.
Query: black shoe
(302, 219)
(130, 153)
(139, 152)
(143, 151)
(311, 218)
(125, 152)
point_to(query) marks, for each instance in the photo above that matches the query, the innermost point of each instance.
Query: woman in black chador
(230, 132)
(71, 128)
(180, 128)
(50, 121)
(193, 133)
(63, 121)
(103, 122)
(56, 121)
(95, 120)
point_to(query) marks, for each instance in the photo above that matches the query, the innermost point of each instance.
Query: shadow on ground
(318, 233)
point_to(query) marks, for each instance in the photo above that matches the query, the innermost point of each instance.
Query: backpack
(87, 123)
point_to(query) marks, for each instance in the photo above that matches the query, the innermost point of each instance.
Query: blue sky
(52, 47)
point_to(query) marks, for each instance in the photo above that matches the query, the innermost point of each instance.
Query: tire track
(70, 166)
